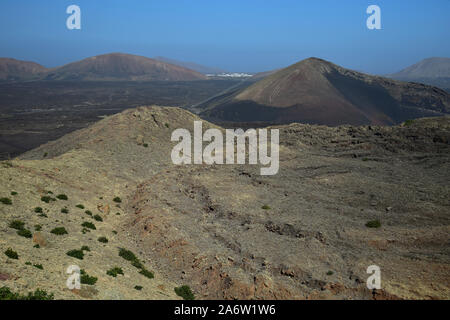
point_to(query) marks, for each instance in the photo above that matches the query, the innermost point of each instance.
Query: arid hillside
(13, 70)
(345, 198)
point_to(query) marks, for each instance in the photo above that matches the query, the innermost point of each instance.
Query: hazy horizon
(234, 36)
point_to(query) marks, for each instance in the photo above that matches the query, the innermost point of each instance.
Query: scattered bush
(114, 231)
(6, 201)
(13, 193)
(45, 155)
(114, 272)
(79, 254)
(185, 292)
(147, 273)
(39, 266)
(17, 224)
(62, 197)
(373, 224)
(87, 279)
(59, 231)
(37, 246)
(118, 214)
(89, 225)
(25, 233)
(408, 122)
(47, 199)
(84, 231)
(10, 253)
(167, 125)
(117, 199)
(330, 273)
(98, 218)
(28, 263)
(103, 240)
(80, 206)
(43, 215)
(145, 145)
(65, 210)
(37, 227)
(138, 288)
(127, 255)
(137, 264)
(89, 213)
(38, 210)
(265, 207)
(85, 248)
(7, 294)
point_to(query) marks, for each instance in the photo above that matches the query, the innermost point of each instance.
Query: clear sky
(237, 35)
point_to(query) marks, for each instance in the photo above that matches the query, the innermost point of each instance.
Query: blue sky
(244, 35)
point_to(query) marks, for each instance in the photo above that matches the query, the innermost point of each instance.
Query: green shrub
(7, 294)
(43, 215)
(114, 231)
(103, 239)
(79, 254)
(98, 218)
(59, 231)
(6, 201)
(114, 272)
(89, 225)
(17, 224)
(46, 199)
(84, 231)
(373, 224)
(62, 197)
(80, 206)
(138, 288)
(145, 145)
(10, 253)
(37, 246)
(185, 292)
(37, 227)
(38, 266)
(167, 125)
(87, 279)
(117, 199)
(118, 214)
(330, 273)
(137, 264)
(408, 122)
(28, 263)
(13, 193)
(85, 248)
(147, 273)
(65, 210)
(25, 233)
(38, 210)
(265, 207)
(127, 255)
(89, 213)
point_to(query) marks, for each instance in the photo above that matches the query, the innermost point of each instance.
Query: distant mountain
(432, 71)
(320, 92)
(191, 65)
(13, 70)
(119, 66)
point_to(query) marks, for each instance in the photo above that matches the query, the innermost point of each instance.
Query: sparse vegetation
(98, 218)
(103, 240)
(89, 213)
(37, 246)
(84, 231)
(114, 272)
(38, 210)
(114, 231)
(13, 193)
(6, 201)
(127, 255)
(38, 266)
(89, 225)
(25, 233)
(330, 273)
(408, 122)
(10, 253)
(47, 199)
(65, 210)
(7, 294)
(87, 279)
(373, 224)
(62, 197)
(137, 264)
(78, 254)
(37, 227)
(117, 200)
(147, 273)
(43, 215)
(167, 125)
(85, 248)
(59, 231)
(185, 292)
(145, 145)
(138, 288)
(17, 224)
(80, 206)
(265, 207)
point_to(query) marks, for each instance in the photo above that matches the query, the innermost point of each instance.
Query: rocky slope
(226, 231)
(316, 91)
